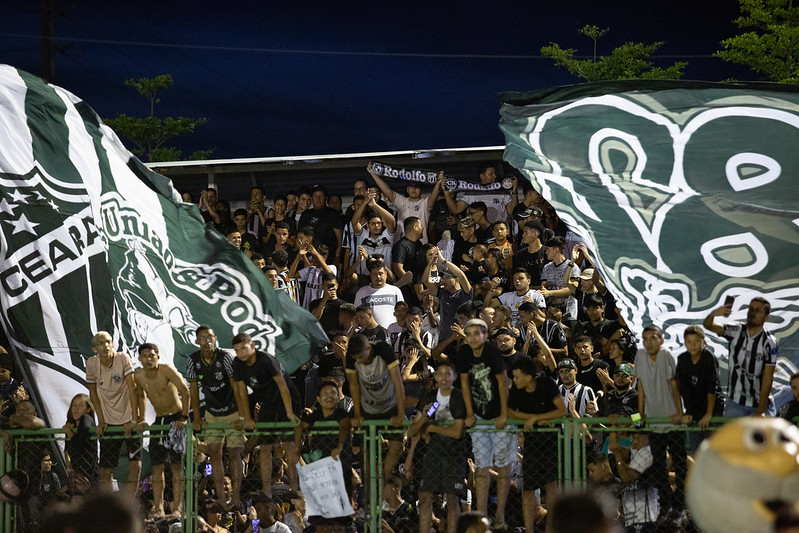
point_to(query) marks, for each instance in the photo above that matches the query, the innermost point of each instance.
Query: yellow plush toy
(743, 474)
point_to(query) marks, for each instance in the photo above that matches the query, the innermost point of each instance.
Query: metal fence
(578, 444)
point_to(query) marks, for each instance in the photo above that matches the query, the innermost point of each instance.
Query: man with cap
(505, 340)
(466, 240)
(523, 214)
(622, 397)
(576, 396)
(484, 383)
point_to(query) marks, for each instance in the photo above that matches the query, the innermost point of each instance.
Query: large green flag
(93, 240)
(685, 192)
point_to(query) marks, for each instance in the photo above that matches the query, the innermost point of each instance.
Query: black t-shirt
(603, 330)
(483, 382)
(587, 374)
(324, 221)
(250, 242)
(409, 254)
(214, 381)
(625, 403)
(696, 381)
(376, 334)
(533, 262)
(538, 402)
(461, 248)
(510, 359)
(326, 441)
(789, 411)
(260, 377)
(329, 318)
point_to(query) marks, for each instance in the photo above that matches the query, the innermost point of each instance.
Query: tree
(150, 133)
(771, 48)
(625, 62)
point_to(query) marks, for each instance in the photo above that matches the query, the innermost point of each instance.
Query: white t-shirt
(513, 300)
(496, 203)
(408, 208)
(382, 301)
(553, 275)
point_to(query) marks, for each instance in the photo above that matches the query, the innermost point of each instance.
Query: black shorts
(539, 459)
(160, 455)
(110, 448)
(444, 471)
(274, 435)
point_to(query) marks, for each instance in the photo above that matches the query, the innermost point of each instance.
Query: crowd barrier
(575, 438)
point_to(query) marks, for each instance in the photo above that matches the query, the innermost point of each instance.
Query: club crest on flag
(92, 240)
(685, 192)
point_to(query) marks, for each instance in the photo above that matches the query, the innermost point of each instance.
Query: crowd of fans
(453, 310)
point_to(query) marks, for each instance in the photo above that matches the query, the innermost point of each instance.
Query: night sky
(299, 78)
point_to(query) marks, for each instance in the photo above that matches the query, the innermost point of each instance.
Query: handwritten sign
(322, 484)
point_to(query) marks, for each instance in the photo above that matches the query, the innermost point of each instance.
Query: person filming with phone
(753, 357)
(444, 465)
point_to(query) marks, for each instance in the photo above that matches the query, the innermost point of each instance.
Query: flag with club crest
(685, 192)
(91, 240)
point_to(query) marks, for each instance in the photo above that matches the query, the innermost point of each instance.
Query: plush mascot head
(743, 474)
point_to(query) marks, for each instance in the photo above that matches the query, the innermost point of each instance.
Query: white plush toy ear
(740, 472)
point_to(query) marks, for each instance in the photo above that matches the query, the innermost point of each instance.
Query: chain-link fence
(429, 472)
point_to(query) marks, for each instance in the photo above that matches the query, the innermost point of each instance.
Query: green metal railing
(571, 445)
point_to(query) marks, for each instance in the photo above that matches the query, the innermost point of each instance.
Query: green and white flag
(685, 192)
(90, 239)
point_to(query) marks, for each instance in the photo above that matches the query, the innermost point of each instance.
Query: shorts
(232, 436)
(160, 455)
(276, 434)
(392, 434)
(444, 470)
(497, 448)
(111, 448)
(539, 460)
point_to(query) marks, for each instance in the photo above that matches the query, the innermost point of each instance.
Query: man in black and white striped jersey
(753, 356)
(570, 387)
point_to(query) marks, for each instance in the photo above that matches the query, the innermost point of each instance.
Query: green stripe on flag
(49, 132)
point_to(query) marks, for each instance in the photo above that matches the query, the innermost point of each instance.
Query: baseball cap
(521, 211)
(567, 363)
(586, 274)
(623, 367)
(467, 222)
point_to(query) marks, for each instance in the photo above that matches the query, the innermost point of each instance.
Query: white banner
(322, 484)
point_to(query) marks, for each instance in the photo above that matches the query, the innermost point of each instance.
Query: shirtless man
(168, 393)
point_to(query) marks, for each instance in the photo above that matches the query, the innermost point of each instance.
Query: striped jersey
(748, 357)
(582, 393)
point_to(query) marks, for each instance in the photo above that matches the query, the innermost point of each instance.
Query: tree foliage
(771, 46)
(148, 134)
(628, 61)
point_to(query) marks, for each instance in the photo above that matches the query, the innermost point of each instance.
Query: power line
(322, 52)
